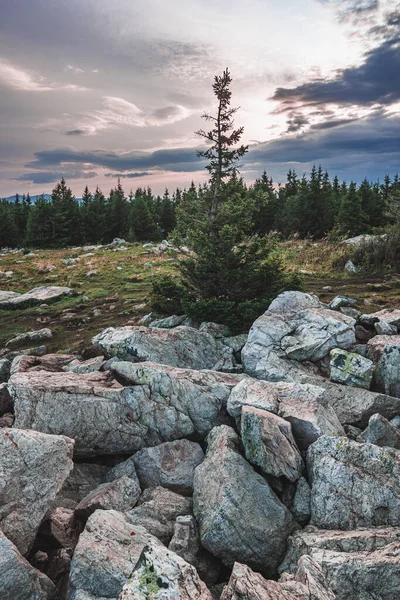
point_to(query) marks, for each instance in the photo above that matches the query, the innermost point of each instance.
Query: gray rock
(350, 267)
(36, 296)
(19, 580)
(4, 295)
(252, 392)
(353, 485)
(158, 510)
(396, 422)
(368, 320)
(5, 366)
(6, 403)
(170, 465)
(217, 330)
(121, 494)
(31, 336)
(168, 323)
(341, 301)
(389, 316)
(351, 369)
(381, 433)
(385, 351)
(301, 509)
(186, 543)
(269, 444)
(354, 406)
(235, 342)
(126, 468)
(105, 418)
(239, 516)
(384, 328)
(33, 468)
(60, 528)
(179, 347)
(84, 478)
(295, 329)
(359, 540)
(85, 366)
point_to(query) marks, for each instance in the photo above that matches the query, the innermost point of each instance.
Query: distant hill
(33, 198)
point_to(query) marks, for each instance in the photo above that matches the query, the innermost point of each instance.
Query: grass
(117, 293)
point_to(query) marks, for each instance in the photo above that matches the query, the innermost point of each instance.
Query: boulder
(121, 494)
(217, 330)
(353, 485)
(169, 465)
(350, 267)
(85, 366)
(351, 369)
(19, 580)
(301, 507)
(125, 468)
(354, 406)
(235, 342)
(305, 406)
(295, 329)
(48, 362)
(162, 409)
(36, 296)
(239, 516)
(6, 403)
(33, 468)
(158, 510)
(385, 351)
(384, 328)
(60, 528)
(5, 366)
(341, 301)
(387, 316)
(5, 295)
(178, 347)
(359, 540)
(269, 444)
(381, 432)
(84, 478)
(30, 336)
(308, 584)
(168, 323)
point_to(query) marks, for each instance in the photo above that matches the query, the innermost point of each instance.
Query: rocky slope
(182, 463)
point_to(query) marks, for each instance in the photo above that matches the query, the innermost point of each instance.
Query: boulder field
(185, 463)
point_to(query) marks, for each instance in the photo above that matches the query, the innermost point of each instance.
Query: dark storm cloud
(128, 175)
(375, 81)
(332, 124)
(174, 159)
(295, 122)
(348, 9)
(51, 176)
(76, 132)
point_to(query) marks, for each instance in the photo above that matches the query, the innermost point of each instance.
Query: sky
(93, 90)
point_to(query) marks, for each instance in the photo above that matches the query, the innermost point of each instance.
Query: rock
(163, 575)
(5, 366)
(359, 240)
(341, 301)
(351, 369)
(301, 508)
(126, 468)
(295, 329)
(381, 432)
(385, 351)
(33, 468)
(82, 480)
(384, 328)
(217, 330)
(4, 295)
(396, 422)
(118, 242)
(181, 346)
(186, 543)
(147, 319)
(363, 335)
(36, 351)
(269, 444)
(166, 408)
(354, 406)
(121, 494)
(236, 342)
(31, 336)
(6, 403)
(7, 420)
(86, 366)
(350, 312)
(49, 362)
(239, 516)
(305, 406)
(168, 323)
(352, 432)
(353, 485)
(386, 316)
(158, 510)
(308, 584)
(170, 465)
(19, 580)
(60, 528)
(350, 267)
(36, 296)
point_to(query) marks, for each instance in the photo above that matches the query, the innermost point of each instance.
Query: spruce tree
(351, 219)
(66, 230)
(39, 232)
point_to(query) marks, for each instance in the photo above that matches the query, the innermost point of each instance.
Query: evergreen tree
(351, 220)
(167, 219)
(66, 229)
(9, 234)
(119, 214)
(39, 232)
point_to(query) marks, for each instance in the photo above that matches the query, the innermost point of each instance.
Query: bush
(167, 296)
(381, 254)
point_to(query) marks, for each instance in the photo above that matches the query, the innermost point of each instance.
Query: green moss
(148, 582)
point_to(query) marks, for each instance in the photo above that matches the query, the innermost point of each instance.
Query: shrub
(380, 254)
(167, 295)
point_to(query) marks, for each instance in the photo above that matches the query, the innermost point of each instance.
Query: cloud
(352, 8)
(51, 176)
(375, 81)
(296, 122)
(76, 132)
(17, 78)
(128, 175)
(76, 70)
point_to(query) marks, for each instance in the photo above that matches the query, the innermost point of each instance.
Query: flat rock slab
(36, 296)
(19, 580)
(120, 494)
(178, 347)
(295, 329)
(105, 418)
(33, 468)
(239, 516)
(8, 295)
(348, 368)
(353, 485)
